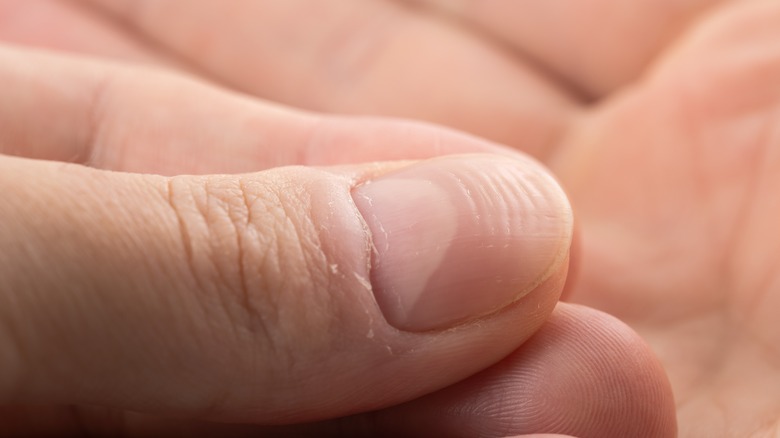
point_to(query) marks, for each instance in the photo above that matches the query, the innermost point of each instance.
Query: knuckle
(254, 253)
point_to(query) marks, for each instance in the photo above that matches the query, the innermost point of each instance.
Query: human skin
(662, 127)
(349, 296)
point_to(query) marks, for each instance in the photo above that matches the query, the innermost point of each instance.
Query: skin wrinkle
(185, 238)
(718, 355)
(157, 52)
(246, 292)
(769, 350)
(445, 11)
(255, 318)
(202, 290)
(220, 400)
(744, 210)
(701, 380)
(208, 289)
(89, 151)
(238, 219)
(249, 237)
(282, 226)
(174, 199)
(773, 351)
(216, 288)
(743, 220)
(310, 245)
(458, 13)
(680, 35)
(770, 429)
(317, 269)
(330, 286)
(275, 257)
(241, 230)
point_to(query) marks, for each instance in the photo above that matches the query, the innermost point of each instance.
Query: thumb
(293, 294)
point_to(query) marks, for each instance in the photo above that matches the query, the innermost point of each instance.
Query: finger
(288, 295)
(583, 374)
(70, 26)
(597, 46)
(359, 57)
(138, 120)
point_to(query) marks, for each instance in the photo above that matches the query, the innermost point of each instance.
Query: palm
(676, 187)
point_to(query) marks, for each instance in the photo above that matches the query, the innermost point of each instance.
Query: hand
(675, 184)
(141, 304)
(665, 173)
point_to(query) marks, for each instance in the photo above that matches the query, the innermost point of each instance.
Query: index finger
(360, 57)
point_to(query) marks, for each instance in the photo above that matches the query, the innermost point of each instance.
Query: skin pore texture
(660, 120)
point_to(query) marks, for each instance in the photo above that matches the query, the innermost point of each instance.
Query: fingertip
(584, 373)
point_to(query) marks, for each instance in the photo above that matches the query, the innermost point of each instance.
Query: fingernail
(456, 238)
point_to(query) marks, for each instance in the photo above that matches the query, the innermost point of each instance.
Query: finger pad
(584, 374)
